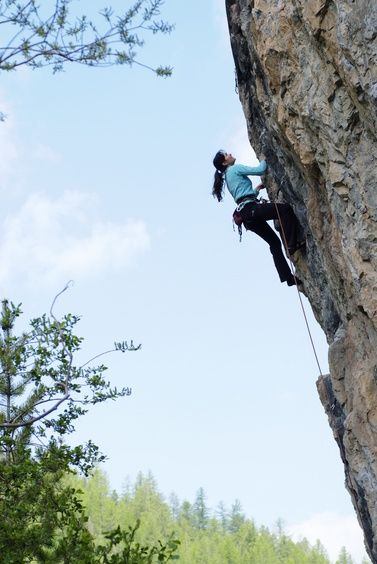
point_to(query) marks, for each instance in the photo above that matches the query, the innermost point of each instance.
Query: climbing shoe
(293, 280)
(296, 247)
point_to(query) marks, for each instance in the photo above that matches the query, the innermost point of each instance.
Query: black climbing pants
(255, 217)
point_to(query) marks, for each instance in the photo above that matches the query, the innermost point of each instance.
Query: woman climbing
(253, 213)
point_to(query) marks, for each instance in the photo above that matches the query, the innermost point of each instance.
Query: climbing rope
(299, 295)
(322, 379)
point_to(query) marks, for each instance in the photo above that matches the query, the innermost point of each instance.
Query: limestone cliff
(307, 79)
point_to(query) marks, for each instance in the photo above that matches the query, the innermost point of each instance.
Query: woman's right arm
(253, 170)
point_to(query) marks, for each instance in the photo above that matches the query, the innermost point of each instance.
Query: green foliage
(42, 393)
(200, 511)
(52, 513)
(146, 504)
(131, 552)
(344, 558)
(236, 519)
(43, 519)
(227, 538)
(36, 38)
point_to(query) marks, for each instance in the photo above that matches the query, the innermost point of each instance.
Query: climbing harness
(330, 403)
(237, 217)
(237, 220)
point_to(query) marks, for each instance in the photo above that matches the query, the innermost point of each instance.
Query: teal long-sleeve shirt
(238, 181)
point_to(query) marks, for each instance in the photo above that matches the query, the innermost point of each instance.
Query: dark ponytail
(219, 180)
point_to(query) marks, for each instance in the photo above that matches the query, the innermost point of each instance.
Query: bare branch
(33, 420)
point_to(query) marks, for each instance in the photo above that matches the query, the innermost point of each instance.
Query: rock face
(307, 79)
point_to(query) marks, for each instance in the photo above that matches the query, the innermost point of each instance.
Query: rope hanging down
(330, 404)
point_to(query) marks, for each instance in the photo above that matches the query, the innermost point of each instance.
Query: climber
(254, 214)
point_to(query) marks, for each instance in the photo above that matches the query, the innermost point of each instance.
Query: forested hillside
(223, 536)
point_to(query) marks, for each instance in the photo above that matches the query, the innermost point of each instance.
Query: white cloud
(49, 240)
(333, 531)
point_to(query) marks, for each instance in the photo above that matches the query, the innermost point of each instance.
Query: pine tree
(236, 518)
(222, 515)
(344, 557)
(41, 397)
(200, 510)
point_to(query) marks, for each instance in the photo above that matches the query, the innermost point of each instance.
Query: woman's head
(221, 162)
(218, 161)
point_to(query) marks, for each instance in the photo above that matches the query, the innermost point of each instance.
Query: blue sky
(106, 180)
